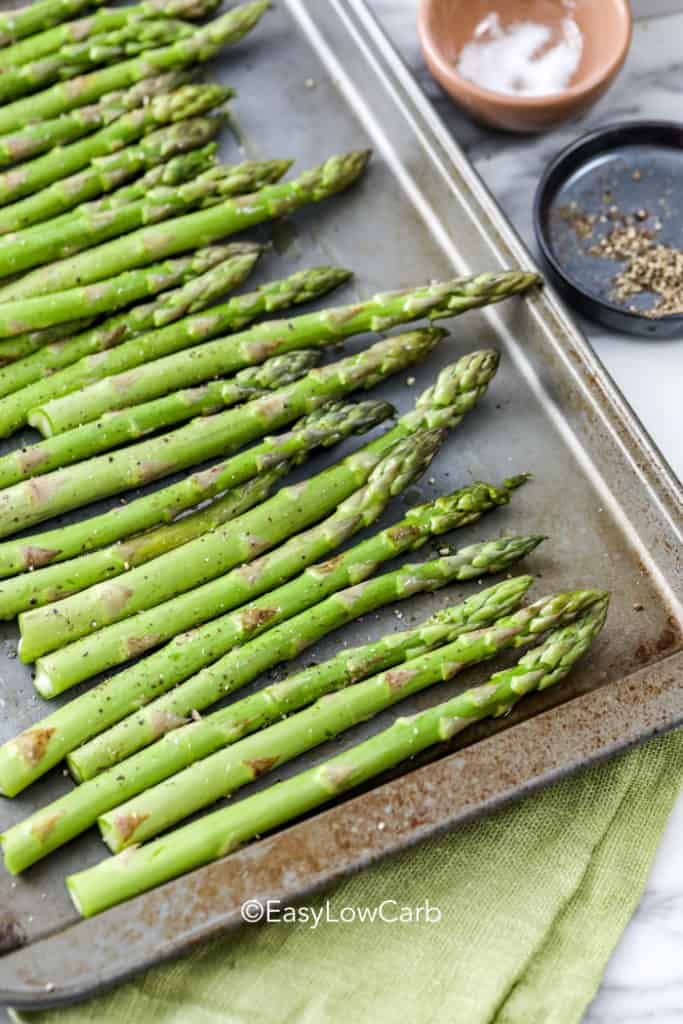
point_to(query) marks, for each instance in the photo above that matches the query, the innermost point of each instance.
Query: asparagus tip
(513, 482)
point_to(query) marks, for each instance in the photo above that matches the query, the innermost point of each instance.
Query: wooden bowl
(445, 26)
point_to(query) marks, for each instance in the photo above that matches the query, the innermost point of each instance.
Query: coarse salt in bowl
(524, 65)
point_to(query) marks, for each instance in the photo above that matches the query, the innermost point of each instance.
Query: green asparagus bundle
(327, 425)
(101, 220)
(35, 17)
(202, 45)
(270, 460)
(76, 58)
(117, 428)
(93, 352)
(229, 430)
(178, 169)
(192, 229)
(223, 433)
(30, 755)
(159, 714)
(195, 281)
(211, 837)
(30, 177)
(107, 18)
(71, 814)
(219, 775)
(106, 173)
(67, 307)
(36, 138)
(35, 500)
(224, 355)
(23, 345)
(112, 646)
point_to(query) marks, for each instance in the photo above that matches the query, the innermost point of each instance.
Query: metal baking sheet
(317, 78)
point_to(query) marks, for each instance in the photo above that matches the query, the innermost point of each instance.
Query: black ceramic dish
(631, 168)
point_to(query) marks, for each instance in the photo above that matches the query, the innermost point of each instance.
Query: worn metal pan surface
(315, 79)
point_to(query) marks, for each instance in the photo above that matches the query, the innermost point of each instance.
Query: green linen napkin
(532, 901)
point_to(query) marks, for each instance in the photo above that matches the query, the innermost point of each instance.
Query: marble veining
(643, 983)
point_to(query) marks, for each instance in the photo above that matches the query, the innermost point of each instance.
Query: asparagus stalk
(75, 58)
(106, 173)
(327, 425)
(36, 138)
(71, 814)
(123, 640)
(196, 281)
(128, 425)
(105, 219)
(96, 348)
(85, 658)
(187, 101)
(135, 871)
(159, 714)
(162, 374)
(199, 228)
(33, 501)
(35, 17)
(201, 46)
(23, 345)
(29, 756)
(219, 775)
(41, 44)
(117, 329)
(295, 508)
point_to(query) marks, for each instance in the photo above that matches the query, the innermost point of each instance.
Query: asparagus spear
(135, 871)
(222, 356)
(107, 18)
(23, 345)
(71, 814)
(202, 45)
(270, 461)
(36, 138)
(29, 755)
(78, 661)
(88, 351)
(198, 228)
(128, 425)
(225, 771)
(123, 640)
(327, 425)
(196, 280)
(101, 220)
(75, 58)
(105, 297)
(187, 101)
(106, 173)
(35, 17)
(230, 430)
(48, 495)
(159, 714)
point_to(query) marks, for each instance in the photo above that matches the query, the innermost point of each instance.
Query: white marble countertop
(644, 980)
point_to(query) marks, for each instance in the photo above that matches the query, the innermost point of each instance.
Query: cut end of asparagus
(74, 770)
(111, 836)
(72, 889)
(42, 681)
(37, 418)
